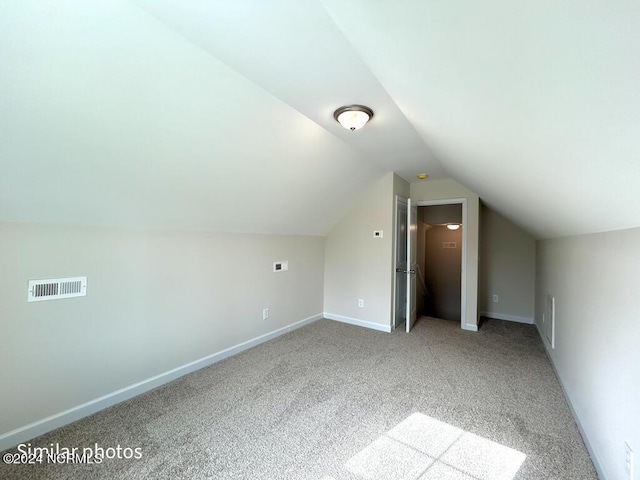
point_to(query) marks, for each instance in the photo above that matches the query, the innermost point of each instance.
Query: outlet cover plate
(281, 266)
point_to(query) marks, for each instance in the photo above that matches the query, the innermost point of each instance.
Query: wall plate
(281, 266)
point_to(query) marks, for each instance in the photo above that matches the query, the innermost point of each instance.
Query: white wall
(445, 189)
(359, 266)
(156, 301)
(595, 280)
(507, 269)
(400, 187)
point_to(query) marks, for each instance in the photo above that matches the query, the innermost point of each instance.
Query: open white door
(412, 263)
(400, 294)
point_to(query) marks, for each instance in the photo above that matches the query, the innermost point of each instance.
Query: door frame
(463, 272)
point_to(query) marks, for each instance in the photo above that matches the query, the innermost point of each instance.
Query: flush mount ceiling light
(353, 117)
(453, 226)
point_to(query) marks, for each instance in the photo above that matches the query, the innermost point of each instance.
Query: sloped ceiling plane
(218, 115)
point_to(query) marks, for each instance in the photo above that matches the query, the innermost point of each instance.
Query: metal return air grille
(54, 289)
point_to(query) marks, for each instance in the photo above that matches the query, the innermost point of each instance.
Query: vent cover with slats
(56, 288)
(449, 245)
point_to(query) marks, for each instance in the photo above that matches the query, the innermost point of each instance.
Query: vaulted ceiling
(217, 115)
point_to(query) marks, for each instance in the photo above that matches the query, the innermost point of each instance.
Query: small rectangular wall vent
(449, 245)
(551, 319)
(56, 288)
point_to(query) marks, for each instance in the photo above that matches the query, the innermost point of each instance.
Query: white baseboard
(511, 318)
(22, 434)
(358, 322)
(470, 327)
(592, 453)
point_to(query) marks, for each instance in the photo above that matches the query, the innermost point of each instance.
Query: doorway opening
(407, 275)
(439, 255)
(463, 250)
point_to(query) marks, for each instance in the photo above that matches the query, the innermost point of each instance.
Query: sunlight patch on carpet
(423, 448)
(388, 459)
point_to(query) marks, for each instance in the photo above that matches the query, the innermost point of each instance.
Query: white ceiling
(217, 115)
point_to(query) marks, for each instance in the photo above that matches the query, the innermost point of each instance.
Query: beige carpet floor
(336, 402)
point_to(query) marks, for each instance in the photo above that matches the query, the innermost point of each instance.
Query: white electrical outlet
(360, 303)
(629, 461)
(495, 299)
(265, 313)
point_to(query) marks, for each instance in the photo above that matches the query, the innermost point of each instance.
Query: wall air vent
(56, 288)
(449, 245)
(551, 321)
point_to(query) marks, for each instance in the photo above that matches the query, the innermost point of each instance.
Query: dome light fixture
(453, 226)
(353, 117)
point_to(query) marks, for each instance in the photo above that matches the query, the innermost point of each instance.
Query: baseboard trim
(22, 434)
(594, 457)
(470, 327)
(358, 322)
(510, 318)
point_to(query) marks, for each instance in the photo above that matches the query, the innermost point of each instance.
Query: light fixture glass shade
(353, 117)
(453, 226)
(353, 120)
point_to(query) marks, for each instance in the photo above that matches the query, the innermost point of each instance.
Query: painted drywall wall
(155, 301)
(441, 213)
(507, 269)
(423, 307)
(446, 189)
(595, 280)
(359, 266)
(401, 186)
